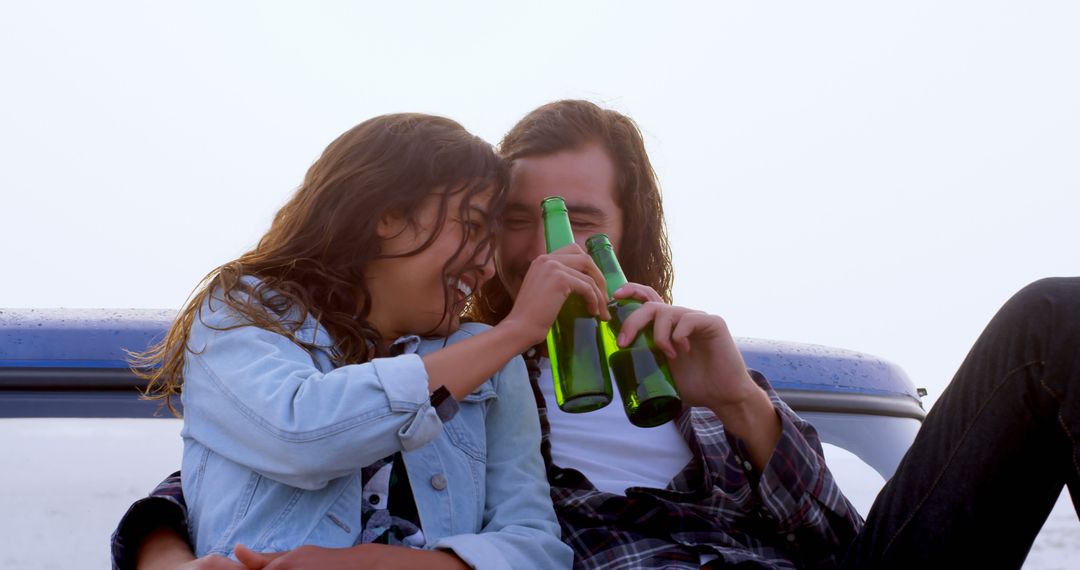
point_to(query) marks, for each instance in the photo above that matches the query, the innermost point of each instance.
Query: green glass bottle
(641, 371)
(580, 369)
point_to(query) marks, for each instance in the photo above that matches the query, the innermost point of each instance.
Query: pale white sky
(868, 176)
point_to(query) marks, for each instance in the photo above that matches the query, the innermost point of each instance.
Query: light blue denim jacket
(275, 437)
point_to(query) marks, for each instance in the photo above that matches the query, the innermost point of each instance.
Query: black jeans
(995, 450)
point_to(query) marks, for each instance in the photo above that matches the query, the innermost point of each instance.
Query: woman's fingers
(574, 260)
(547, 284)
(582, 285)
(576, 257)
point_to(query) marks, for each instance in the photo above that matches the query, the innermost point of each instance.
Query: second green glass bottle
(640, 370)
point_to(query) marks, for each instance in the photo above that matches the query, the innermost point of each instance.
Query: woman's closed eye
(475, 228)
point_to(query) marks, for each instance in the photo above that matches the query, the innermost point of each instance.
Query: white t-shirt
(612, 452)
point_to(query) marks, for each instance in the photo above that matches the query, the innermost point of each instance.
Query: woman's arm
(550, 280)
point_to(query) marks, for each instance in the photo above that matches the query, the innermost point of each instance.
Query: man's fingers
(663, 322)
(634, 323)
(680, 335)
(671, 326)
(638, 292)
(662, 317)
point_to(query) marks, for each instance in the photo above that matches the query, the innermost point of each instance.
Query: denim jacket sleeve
(519, 525)
(258, 399)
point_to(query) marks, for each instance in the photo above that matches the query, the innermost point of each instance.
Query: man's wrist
(745, 415)
(163, 548)
(754, 421)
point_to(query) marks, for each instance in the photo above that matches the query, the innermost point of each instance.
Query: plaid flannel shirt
(791, 515)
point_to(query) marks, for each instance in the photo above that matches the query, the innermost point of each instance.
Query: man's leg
(992, 456)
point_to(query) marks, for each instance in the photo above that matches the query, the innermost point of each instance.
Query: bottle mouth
(553, 204)
(597, 242)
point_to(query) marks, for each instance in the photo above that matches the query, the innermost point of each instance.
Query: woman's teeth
(464, 289)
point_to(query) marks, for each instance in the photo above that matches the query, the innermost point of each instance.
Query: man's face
(584, 177)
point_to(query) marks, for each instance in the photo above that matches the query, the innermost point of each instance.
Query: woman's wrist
(462, 366)
(516, 334)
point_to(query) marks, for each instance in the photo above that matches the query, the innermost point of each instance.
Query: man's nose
(537, 243)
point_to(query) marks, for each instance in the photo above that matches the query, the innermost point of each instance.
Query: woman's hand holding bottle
(552, 278)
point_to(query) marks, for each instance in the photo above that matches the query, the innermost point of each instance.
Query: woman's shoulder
(466, 330)
(250, 306)
(469, 329)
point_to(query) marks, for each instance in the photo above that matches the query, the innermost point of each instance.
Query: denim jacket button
(438, 481)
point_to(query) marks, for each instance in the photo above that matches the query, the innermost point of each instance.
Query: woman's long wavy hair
(644, 253)
(314, 258)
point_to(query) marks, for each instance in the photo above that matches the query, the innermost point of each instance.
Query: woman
(308, 390)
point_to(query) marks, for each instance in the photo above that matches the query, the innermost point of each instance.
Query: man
(740, 479)
(754, 490)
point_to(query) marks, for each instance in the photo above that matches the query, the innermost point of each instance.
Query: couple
(738, 479)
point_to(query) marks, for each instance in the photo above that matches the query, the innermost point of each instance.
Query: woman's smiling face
(424, 292)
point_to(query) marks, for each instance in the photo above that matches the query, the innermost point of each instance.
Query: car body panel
(50, 358)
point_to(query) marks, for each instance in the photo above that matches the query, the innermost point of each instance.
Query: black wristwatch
(446, 407)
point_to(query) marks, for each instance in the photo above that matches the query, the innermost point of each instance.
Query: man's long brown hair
(313, 259)
(644, 253)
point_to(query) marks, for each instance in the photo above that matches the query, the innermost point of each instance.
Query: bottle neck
(557, 230)
(605, 259)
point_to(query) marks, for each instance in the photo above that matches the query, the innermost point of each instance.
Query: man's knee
(1051, 298)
